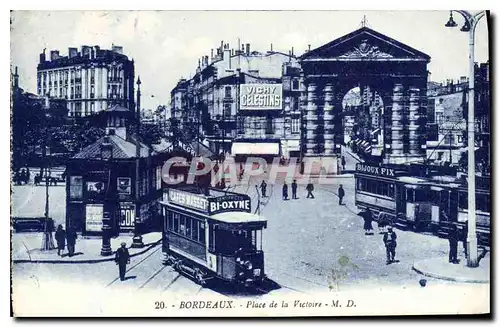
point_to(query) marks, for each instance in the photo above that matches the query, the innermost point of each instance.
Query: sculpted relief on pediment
(365, 50)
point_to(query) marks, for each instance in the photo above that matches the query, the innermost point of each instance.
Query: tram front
(236, 247)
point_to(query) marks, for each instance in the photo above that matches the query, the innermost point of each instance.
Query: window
(182, 225)
(158, 177)
(195, 224)
(76, 187)
(124, 185)
(227, 110)
(269, 126)
(92, 107)
(176, 222)
(201, 235)
(295, 85)
(227, 92)
(295, 125)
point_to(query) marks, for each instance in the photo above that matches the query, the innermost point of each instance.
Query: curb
(450, 278)
(108, 258)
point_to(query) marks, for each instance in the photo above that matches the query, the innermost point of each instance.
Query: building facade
(209, 104)
(91, 80)
(116, 179)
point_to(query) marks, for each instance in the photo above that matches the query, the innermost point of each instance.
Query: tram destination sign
(189, 200)
(375, 170)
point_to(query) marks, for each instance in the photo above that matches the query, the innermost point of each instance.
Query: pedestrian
(122, 258)
(263, 188)
(294, 189)
(453, 242)
(71, 240)
(310, 189)
(285, 191)
(60, 239)
(341, 194)
(390, 244)
(343, 163)
(368, 218)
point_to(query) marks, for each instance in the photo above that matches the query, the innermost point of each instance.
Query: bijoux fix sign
(261, 96)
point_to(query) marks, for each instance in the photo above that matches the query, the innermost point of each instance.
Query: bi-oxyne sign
(210, 205)
(261, 96)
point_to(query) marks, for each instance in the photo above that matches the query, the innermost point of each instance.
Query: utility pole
(137, 239)
(470, 27)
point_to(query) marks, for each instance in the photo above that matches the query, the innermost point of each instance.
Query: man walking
(390, 244)
(285, 191)
(294, 189)
(309, 189)
(71, 240)
(453, 242)
(122, 258)
(368, 218)
(341, 194)
(263, 188)
(343, 163)
(60, 239)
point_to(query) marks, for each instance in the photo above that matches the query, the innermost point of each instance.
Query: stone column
(311, 120)
(329, 123)
(414, 144)
(396, 123)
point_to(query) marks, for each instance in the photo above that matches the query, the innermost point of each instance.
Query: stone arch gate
(366, 58)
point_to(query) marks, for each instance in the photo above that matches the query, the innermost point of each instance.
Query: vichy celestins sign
(261, 96)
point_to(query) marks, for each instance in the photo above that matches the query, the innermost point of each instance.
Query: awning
(291, 145)
(255, 148)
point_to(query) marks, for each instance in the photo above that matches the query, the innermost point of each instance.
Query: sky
(166, 45)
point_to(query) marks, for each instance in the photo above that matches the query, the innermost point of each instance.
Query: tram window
(170, 221)
(410, 195)
(483, 202)
(188, 227)
(420, 196)
(462, 201)
(176, 222)
(390, 191)
(182, 226)
(195, 226)
(211, 240)
(201, 234)
(258, 240)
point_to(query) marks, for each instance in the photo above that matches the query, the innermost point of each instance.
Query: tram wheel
(198, 275)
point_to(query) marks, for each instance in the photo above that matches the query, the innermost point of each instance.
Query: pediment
(365, 44)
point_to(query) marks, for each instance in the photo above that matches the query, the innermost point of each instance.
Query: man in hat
(390, 244)
(122, 257)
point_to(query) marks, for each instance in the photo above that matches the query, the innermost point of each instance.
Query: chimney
(106, 149)
(16, 78)
(271, 47)
(211, 54)
(206, 60)
(42, 56)
(72, 52)
(248, 49)
(54, 55)
(308, 47)
(85, 51)
(117, 49)
(292, 51)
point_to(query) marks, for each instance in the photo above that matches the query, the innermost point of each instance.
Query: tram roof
(236, 217)
(411, 180)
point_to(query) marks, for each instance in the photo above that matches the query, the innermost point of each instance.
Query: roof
(235, 217)
(121, 149)
(365, 43)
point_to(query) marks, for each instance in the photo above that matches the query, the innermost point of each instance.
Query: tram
(401, 200)
(426, 203)
(213, 235)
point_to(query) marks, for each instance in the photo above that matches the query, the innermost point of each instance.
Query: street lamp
(469, 26)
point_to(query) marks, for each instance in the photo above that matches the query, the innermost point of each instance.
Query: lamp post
(469, 26)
